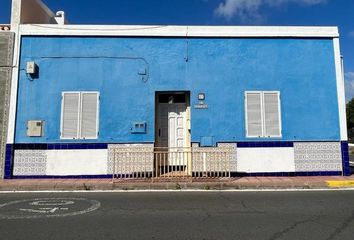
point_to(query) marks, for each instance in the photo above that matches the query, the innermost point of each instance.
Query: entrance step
(178, 174)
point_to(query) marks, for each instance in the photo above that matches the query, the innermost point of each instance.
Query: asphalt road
(178, 215)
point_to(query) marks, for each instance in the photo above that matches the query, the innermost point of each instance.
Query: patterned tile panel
(30, 162)
(214, 159)
(317, 156)
(130, 158)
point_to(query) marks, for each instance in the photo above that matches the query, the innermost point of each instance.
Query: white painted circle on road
(51, 202)
(47, 207)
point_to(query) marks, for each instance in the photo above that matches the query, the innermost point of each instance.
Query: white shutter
(70, 115)
(89, 114)
(271, 114)
(254, 114)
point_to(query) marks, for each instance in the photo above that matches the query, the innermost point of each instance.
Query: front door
(172, 133)
(171, 125)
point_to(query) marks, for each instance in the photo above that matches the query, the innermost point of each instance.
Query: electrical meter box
(35, 128)
(31, 68)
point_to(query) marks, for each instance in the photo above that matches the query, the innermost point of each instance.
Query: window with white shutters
(254, 114)
(262, 114)
(271, 114)
(79, 117)
(70, 115)
(89, 112)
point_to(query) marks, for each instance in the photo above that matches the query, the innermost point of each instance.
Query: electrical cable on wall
(28, 76)
(186, 58)
(145, 76)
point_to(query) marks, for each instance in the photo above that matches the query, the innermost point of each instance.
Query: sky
(216, 12)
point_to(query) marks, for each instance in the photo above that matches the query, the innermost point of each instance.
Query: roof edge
(179, 31)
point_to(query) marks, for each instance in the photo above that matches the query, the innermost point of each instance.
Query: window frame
(263, 114)
(79, 125)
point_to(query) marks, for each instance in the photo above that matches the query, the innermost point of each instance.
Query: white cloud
(249, 10)
(349, 86)
(243, 9)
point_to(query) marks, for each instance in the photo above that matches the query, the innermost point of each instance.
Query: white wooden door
(176, 125)
(177, 134)
(172, 131)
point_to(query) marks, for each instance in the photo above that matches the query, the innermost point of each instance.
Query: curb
(244, 183)
(169, 186)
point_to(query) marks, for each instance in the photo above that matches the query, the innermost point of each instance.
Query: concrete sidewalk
(320, 182)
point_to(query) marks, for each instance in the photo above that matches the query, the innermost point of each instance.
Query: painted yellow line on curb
(340, 183)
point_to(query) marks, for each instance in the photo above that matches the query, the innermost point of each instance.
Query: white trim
(279, 112)
(178, 31)
(14, 86)
(340, 91)
(61, 114)
(79, 113)
(245, 112)
(98, 114)
(262, 114)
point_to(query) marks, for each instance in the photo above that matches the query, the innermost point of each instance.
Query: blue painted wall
(303, 70)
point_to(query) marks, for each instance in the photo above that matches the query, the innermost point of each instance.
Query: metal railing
(172, 163)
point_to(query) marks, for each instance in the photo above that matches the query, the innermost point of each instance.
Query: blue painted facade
(303, 70)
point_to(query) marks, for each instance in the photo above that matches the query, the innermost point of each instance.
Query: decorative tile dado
(214, 159)
(30, 162)
(320, 156)
(130, 158)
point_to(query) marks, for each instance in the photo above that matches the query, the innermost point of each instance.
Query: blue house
(154, 101)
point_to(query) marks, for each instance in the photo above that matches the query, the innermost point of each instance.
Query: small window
(263, 114)
(79, 115)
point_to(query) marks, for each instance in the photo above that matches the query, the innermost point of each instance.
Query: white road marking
(43, 210)
(32, 210)
(47, 211)
(51, 203)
